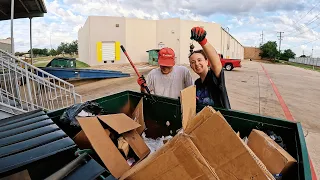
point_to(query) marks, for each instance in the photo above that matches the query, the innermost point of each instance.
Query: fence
(308, 61)
(24, 87)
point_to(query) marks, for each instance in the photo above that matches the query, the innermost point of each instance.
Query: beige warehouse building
(100, 37)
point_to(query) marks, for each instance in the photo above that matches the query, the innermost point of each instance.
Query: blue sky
(246, 19)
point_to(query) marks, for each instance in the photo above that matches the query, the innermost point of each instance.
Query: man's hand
(142, 82)
(199, 34)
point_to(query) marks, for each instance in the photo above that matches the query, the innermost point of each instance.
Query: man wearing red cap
(169, 79)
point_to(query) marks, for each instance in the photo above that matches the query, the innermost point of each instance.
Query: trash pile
(206, 148)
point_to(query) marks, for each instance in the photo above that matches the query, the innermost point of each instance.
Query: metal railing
(24, 87)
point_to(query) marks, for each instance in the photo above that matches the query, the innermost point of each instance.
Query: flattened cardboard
(223, 149)
(119, 122)
(136, 143)
(177, 159)
(82, 141)
(138, 117)
(103, 145)
(188, 104)
(273, 156)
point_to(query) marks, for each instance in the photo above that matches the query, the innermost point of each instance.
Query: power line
(308, 12)
(306, 43)
(309, 22)
(306, 24)
(306, 30)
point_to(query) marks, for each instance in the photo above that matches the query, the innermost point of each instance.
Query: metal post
(29, 88)
(31, 51)
(12, 17)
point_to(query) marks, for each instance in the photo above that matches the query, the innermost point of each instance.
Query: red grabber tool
(135, 69)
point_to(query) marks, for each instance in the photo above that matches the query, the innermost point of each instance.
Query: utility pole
(312, 52)
(261, 38)
(280, 39)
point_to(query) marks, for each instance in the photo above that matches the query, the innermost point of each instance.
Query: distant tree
(19, 53)
(53, 52)
(288, 53)
(63, 47)
(73, 47)
(269, 50)
(303, 55)
(45, 52)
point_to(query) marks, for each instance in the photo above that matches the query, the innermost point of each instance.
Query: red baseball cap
(166, 57)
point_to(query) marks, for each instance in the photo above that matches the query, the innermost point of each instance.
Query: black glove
(199, 34)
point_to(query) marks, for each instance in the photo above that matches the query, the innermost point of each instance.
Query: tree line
(270, 51)
(63, 48)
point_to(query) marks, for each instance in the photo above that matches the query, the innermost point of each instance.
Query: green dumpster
(156, 119)
(62, 62)
(153, 56)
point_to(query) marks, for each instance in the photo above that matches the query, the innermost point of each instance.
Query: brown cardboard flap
(199, 119)
(138, 117)
(177, 159)
(119, 122)
(136, 143)
(82, 141)
(223, 149)
(188, 104)
(274, 157)
(104, 146)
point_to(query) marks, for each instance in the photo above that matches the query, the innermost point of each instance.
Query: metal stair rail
(24, 87)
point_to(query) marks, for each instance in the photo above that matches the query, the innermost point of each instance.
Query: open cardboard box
(208, 148)
(99, 139)
(273, 156)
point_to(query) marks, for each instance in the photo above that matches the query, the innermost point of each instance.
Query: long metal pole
(12, 17)
(31, 51)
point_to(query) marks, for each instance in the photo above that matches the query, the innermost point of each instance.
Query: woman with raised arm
(211, 89)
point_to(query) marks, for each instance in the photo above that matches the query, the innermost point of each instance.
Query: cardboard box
(177, 159)
(223, 149)
(104, 146)
(138, 117)
(211, 139)
(273, 156)
(188, 104)
(82, 141)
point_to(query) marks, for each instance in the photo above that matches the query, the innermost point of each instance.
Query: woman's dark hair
(198, 51)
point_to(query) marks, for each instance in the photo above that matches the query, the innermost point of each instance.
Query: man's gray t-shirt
(169, 85)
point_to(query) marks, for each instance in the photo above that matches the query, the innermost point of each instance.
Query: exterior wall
(235, 50)
(5, 44)
(138, 36)
(168, 33)
(83, 42)
(213, 36)
(251, 53)
(6, 47)
(103, 28)
(141, 36)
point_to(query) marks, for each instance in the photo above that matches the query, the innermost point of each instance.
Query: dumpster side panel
(304, 154)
